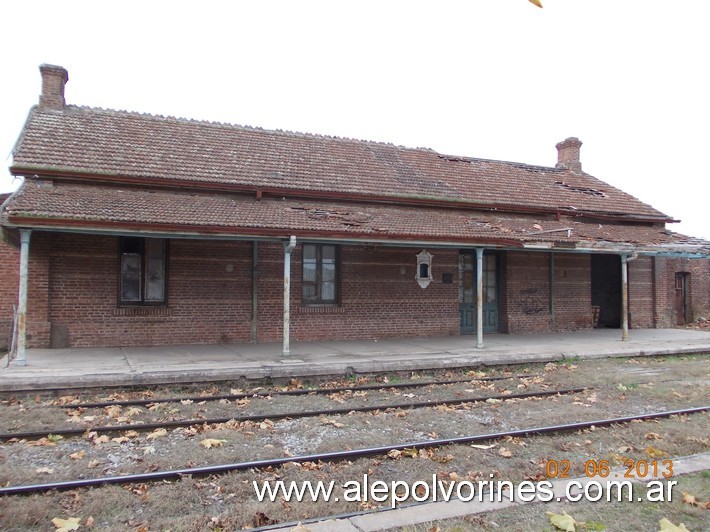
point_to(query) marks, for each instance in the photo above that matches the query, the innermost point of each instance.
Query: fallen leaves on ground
(157, 433)
(667, 526)
(64, 525)
(563, 521)
(208, 443)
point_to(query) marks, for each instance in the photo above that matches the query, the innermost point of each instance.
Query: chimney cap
(45, 67)
(569, 142)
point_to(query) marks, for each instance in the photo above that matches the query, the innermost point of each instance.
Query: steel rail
(333, 456)
(314, 391)
(286, 415)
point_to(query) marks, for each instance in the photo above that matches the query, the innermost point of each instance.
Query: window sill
(142, 311)
(320, 309)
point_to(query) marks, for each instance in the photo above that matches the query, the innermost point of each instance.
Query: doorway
(606, 291)
(681, 298)
(468, 284)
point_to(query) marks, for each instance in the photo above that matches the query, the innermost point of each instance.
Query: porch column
(20, 359)
(286, 351)
(479, 298)
(624, 298)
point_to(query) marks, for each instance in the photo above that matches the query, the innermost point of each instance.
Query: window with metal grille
(143, 272)
(320, 274)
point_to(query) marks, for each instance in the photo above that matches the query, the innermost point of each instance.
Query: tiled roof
(162, 210)
(97, 142)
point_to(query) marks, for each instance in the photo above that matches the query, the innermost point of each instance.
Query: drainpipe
(254, 289)
(287, 294)
(20, 359)
(625, 259)
(479, 298)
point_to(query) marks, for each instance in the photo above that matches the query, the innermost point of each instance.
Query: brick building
(147, 230)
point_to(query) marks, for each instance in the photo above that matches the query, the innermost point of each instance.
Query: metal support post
(20, 360)
(479, 298)
(624, 298)
(287, 295)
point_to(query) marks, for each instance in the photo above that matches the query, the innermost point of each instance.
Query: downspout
(286, 351)
(20, 360)
(479, 298)
(254, 292)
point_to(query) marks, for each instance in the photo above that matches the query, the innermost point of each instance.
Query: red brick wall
(377, 300)
(527, 294)
(641, 297)
(74, 285)
(209, 292)
(698, 288)
(9, 281)
(208, 303)
(573, 292)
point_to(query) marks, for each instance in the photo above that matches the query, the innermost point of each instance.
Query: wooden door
(681, 296)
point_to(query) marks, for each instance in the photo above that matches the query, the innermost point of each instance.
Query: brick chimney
(568, 154)
(53, 80)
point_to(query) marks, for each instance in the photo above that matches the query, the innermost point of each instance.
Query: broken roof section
(89, 207)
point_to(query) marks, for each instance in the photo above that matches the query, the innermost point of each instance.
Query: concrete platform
(49, 368)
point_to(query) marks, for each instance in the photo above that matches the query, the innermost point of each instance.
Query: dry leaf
(149, 450)
(667, 526)
(120, 439)
(102, 439)
(187, 401)
(563, 521)
(394, 453)
(654, 453)
(44, 470)
(689, 499)
(77, 455)
(505, 453)
(211, 442)
(653, 436)
(158, 433)
(93, 464)
(336, 424)
(64, 525)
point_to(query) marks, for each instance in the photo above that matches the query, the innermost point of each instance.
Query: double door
(468, 284)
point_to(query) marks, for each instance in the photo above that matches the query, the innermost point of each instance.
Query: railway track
(284, 415)
(304, 391)
(333, 456)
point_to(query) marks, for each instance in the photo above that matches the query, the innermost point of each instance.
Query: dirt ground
(616, 387)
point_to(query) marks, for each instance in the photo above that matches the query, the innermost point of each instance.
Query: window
(142, 271)
(320, 274)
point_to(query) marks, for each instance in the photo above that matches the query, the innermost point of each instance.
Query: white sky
(498, 79)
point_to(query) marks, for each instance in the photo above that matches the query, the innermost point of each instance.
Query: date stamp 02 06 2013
(635, 469)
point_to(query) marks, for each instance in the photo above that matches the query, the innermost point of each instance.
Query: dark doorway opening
(681, 298)
(606, 290)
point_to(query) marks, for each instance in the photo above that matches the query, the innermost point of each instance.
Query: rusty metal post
(624, 298)
(479, 298)
(20, 359)
(286, 351)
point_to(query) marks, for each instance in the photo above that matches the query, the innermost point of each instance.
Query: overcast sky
(497, 79)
